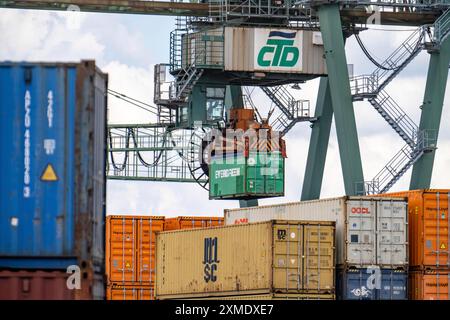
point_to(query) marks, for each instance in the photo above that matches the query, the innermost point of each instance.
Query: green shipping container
(234, 176)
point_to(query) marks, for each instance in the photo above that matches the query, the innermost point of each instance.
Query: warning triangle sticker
(49, 174)
(443, 246)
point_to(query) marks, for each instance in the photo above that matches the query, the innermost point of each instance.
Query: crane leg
(338, 79)
(430, 118)
(318, 143)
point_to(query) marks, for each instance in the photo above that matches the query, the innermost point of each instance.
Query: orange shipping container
(118, 292)
(429, 223)
(192, 222)
(429, 285)
(130, 249)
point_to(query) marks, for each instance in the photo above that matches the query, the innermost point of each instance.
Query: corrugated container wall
(261, 258)
(242, 48)
(368, 230)
(275, 296)
(371, 284)
(243, 45)
(52, 186)
(130, 249)
(133, 292)
(429, 224)
(179, 223)
(429, 285)
(47, 285)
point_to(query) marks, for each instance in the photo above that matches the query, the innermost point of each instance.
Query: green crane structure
(201, 88)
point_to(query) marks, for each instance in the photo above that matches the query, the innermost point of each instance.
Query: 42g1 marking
(245, 309)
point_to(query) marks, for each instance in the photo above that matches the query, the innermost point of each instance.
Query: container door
(287, 255)
(355, 284)
(436, 228)
(319, 258)
(392, 233)
(436, 286)
(145, 250)
(130, 293)
(361, 239)
(122, 250)
(393, 285)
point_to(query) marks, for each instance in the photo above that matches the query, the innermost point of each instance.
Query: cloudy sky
(127, 47)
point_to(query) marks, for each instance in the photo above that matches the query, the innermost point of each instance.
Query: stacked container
(130, 256)
(371, 240)
(52, 180)
(130, 252)
(179, 223)
(429, 254)
(268, 260)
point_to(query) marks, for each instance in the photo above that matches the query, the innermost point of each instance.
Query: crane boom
(169, 8)
(114, 6)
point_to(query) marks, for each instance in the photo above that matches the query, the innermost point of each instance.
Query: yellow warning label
(127, 264)
(49, 174)
(442, 245)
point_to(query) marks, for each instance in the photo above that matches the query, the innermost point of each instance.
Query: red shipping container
(48, 285)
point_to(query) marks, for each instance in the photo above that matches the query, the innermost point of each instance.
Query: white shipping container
(250, 49)
(369, 231)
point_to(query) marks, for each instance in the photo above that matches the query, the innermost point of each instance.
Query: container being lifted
(247, 160)
(275, 257)
(369, 231)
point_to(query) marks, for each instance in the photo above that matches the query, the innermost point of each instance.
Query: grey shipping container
(369, 231)
(52, 169)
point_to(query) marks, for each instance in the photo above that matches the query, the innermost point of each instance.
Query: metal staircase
(399, 164)
(367, 85)
(185, 81)
(395, 117)
(292, 110)
(442, 27)
(371, 87)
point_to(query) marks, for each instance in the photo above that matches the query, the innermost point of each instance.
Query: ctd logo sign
(210, 259)
(277, 50)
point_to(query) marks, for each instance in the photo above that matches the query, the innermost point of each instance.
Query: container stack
(371, 240)
(130, 256)
(429, 223)
(130, 252)
(269, 260)
(52, 186)
(180, 223)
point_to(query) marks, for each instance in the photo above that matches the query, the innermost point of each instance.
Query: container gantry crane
(203, 62)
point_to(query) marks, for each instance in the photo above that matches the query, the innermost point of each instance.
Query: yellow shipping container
(275, 296)
(260, 258)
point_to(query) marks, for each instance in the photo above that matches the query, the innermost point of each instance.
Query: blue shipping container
(52, 165)
(371, 284)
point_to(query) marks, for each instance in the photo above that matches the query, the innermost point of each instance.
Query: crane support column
(233, 99)
(430, 118)
(318, 144)
(341, 98)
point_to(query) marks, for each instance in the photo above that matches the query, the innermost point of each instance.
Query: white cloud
(134, 82)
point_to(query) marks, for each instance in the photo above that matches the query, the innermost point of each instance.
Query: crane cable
(133, 101)
(369, 56)
(379, 65)
(131, 133)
